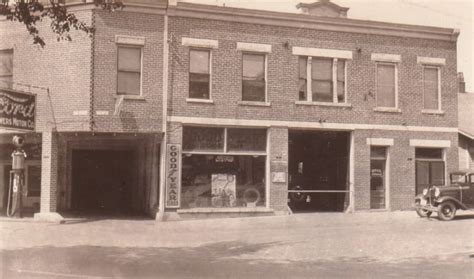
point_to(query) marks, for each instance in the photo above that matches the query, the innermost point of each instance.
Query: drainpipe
(161, 202)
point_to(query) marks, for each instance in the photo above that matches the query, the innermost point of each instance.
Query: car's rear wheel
(446, 211)
(423, 213)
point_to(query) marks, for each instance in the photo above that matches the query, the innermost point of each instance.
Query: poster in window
(223, 190)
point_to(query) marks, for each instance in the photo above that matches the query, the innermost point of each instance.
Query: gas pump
(17, 179)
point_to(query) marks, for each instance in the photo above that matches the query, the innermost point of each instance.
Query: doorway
(103, 181)
(318, 171)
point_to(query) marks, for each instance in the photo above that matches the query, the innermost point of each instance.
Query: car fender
(455, 201)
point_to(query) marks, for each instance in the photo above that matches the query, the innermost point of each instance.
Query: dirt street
(325, 245)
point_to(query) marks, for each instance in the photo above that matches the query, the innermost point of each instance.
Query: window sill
(432, 111)
(202, 101)
(131, 97)
(225, 210)
(256, 104)
(390, 110)
(323, 104)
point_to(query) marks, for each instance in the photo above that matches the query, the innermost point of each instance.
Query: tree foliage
(30, 12)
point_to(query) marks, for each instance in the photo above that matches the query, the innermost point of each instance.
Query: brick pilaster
(278, 157)
(49, 172)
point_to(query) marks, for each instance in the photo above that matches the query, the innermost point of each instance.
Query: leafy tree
(30, 12)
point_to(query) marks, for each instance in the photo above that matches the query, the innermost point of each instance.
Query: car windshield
(458, 178)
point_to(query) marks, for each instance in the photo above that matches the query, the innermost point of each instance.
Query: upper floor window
(386, 92)
(129, 70)
(199, 74)
(324, 78)
(253, 77)
(6, 67)
(431, 83)
(431, 88)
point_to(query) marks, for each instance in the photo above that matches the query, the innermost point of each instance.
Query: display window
(223, 168)
(223, 181)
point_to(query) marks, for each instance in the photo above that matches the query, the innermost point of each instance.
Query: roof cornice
(201, 11)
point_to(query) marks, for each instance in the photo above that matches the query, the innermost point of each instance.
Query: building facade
(466, 127)
(191, 110)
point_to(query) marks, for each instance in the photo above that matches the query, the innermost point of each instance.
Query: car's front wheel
(423, 213)
(446, 211)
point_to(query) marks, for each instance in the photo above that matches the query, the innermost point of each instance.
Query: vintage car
(445, 200)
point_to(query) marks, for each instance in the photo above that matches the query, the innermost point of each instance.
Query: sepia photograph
(236, 139)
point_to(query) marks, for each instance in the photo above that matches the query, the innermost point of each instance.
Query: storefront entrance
(103, 181)
(318, 171)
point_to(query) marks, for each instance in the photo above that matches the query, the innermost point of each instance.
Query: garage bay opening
(104, 182)
(318, 171)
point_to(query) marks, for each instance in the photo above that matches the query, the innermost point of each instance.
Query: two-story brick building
(242, 112)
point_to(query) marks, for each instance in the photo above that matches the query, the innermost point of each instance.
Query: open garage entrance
(318, 171)
(104, 182)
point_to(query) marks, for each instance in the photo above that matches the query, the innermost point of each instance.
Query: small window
(386, 87)
(203, 139)
(322, 82)
(129, 70)
(6, 68)
(429, 153)
(431, 88)
(378, 152)
(302, 78)
(341, 81)
(34, 181)
(199, 74)
(321, 75)
(239, 139)
(253, 77)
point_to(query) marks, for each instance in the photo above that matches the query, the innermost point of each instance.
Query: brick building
(466, 127)
(245, 112)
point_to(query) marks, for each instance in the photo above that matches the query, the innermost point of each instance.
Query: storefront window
(223, 181)
(246, 139)
(203, 139)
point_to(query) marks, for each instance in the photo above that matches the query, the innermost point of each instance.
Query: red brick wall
(283, 71)
(401, 165)
(278, 157)
(136, 115)
(63, 67)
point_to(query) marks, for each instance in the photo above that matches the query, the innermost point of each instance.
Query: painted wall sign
(173, 175)
(17, 110)
(376, 172)
(279, 177)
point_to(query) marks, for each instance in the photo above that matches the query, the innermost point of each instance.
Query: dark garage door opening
(318, 171)
(103, 181)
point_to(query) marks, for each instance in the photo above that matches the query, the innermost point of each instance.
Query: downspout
(161, 202)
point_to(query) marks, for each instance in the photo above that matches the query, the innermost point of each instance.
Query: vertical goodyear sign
(173, 175)
(17, 110)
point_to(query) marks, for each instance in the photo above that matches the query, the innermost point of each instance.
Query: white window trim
(131, 96)
(387, 109)
(253, 47)
(430, 143)
(309, 81)
(129, 40)
(322, 52)
(434, 111)
(203, 43)
(380, 141)
(265, 66)
(384, 57)
(208, 100)
(431, 60)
